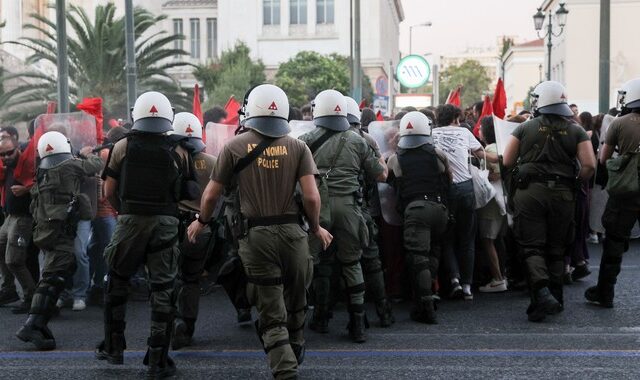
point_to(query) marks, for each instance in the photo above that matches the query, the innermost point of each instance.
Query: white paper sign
(503, 130)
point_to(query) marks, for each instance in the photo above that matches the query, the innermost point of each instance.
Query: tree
(96, 55)
(305, 75)
(469, 74)
(233, 74)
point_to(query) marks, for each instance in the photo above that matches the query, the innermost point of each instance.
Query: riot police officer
(370, 261)
(421, 176)
(188, 129)
(57, 205)
(272, 245)
(545, 151)
(145, 178)
(622, 211)
(340, 155)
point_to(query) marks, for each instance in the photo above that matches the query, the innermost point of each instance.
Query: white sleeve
(474, 144)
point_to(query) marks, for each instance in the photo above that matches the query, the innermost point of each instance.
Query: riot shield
(386, 135)
(300, 127)
(217, 136)
(80, 129)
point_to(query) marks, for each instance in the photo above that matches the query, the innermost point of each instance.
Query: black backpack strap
(321, 140)
(249, 158)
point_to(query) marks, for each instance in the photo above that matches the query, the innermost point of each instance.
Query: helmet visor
(414, 141)
(54, 160)
(561, 109)
(332, 122)
(152, 125)
(268, 125)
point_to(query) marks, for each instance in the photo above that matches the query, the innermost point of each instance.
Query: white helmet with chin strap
(188, 125)
(267, 111)
(152, 112)
(53, 148)
(629, 94)
(550, 98)
(330, 111)
(415, 130)
(353, 110)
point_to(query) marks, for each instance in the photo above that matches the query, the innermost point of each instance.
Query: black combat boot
(544, 304)
(383, 309)
(298, 351)
(7, 297)
(244, 316)
(182, 333)
(357, 325)
(599, 297)
(35, 331)
(424, 311)
(112, 349)
(320, 319)
(157, 358)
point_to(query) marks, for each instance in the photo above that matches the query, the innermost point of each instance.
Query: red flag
(93, 106)
(487, 110)
(454, 97)
(232, 107)
(51, 106)
(25, 170)
(363, 104)
(499, 100)
(379, 116)
(197, 110)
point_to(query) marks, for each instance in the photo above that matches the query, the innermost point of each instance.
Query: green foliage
(97, 57)
(233, 74)
(308, 73)
(469, 74)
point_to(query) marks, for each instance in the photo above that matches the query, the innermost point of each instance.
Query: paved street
(487, 338)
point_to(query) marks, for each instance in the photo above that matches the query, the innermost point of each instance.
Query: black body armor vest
(420, 174)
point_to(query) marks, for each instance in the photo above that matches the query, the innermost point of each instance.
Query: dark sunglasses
(8, 153)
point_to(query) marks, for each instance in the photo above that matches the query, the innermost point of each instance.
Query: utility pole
(605, 50)
(356, 70)
(436, 85)
(63, 63)
(131, 57)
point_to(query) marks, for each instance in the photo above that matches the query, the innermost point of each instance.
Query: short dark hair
(487, 129)
(477, 106)
(447, 113)
(613, 111)
(428, 113)
(399, 115)
(116, 133)
(214, 115)
(573, 105)
(524, 112)
(586, 120)
(12, 131)
(295, 114)
(367, 117)
(306, 108)
(409, 109)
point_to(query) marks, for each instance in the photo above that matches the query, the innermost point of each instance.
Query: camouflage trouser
(152, 241)
(278, 267)
(58, 268)
(15, 237)
(425, 223)
(347, 225)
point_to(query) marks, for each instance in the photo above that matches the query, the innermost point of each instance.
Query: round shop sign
(413, 71)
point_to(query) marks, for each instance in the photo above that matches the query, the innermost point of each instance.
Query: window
(212, 37)
(271, 12)
(195, 37)
(177, 30)
(324, 11)
(298, 12)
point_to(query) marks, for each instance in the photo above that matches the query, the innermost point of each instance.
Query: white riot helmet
(330, 111)
(629, 94)
(53, 149)
(415, 130)
(267, 111)
(353, 110)
(188, 125)
(550, 98)
(152, 113)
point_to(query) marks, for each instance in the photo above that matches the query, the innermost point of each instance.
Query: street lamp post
(428, 23)
(538, 21)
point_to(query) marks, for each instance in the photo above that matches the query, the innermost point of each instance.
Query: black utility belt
(273, 220)
(430, 198)
(553, 180)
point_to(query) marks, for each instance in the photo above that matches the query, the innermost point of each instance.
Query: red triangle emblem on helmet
(409, 126)
(153, 110)
(338, 109)
(49, 148)
(273, 106)
(189, 129)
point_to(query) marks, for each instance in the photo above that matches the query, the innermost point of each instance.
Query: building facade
(523, 67)
(276, 30)
(575, 53)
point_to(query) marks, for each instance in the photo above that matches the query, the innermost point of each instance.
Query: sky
(461, 24)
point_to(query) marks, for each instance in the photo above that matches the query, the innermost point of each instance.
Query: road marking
(338, 353)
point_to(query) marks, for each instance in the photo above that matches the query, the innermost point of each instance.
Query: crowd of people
(274, 218)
